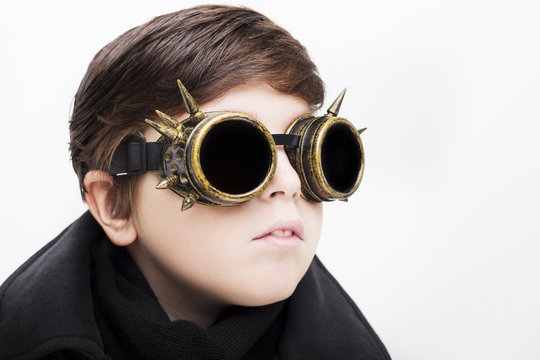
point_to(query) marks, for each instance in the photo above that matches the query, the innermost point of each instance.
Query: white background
(440, 245)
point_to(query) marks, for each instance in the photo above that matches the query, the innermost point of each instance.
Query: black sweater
(80, 297)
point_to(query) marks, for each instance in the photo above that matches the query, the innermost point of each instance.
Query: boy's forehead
(274, 109)
(258, 100)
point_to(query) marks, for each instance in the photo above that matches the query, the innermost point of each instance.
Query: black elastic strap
(286, 139)
(136, 156)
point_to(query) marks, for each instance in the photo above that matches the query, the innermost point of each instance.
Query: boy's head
(211, 49)
(230, 59)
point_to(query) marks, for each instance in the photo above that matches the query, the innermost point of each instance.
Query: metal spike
(166, 131)
(165, 183)
(189, 201)
(167, 120)
(190, 103)
(361, 130)
(345, 200)
(334, 108)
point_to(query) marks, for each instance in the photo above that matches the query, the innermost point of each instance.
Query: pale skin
(202, 260)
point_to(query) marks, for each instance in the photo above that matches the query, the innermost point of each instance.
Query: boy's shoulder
(46, 304)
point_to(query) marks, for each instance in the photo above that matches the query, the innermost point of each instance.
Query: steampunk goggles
(226, 158)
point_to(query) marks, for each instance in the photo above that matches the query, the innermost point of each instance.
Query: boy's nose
(286, 182)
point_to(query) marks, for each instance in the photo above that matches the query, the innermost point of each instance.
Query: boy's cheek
(233, 272)
(212, 249)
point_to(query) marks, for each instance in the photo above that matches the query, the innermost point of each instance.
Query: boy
(226, 270)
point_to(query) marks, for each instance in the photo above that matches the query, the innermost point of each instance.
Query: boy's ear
(98, 196)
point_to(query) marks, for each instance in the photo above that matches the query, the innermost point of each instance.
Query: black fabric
(47, 303)
(135, 156)
(80, 297)
(137, 327)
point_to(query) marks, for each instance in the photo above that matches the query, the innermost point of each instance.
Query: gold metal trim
(307, 157)
(193, 162)
(324, 187)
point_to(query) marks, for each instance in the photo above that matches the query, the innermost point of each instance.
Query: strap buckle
(129, 158)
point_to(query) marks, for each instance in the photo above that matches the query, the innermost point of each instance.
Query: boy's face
(214, 253)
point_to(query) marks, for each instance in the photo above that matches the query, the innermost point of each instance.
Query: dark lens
(340, 158)
(235, 156)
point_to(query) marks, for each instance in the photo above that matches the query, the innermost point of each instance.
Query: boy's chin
(263, 301)
(267, 283)
(264, 295)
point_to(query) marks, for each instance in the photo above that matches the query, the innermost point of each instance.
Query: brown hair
(209, 48)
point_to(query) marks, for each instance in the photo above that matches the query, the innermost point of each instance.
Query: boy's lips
(284, 229)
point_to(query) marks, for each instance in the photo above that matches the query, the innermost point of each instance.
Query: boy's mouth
(283, 233)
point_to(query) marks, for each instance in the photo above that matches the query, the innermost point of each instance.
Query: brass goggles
(226, 158)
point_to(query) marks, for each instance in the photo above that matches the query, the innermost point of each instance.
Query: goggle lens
(235, 157)
(340, 158)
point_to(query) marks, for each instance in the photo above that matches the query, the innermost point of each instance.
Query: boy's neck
(179, 301)
(175, 311)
